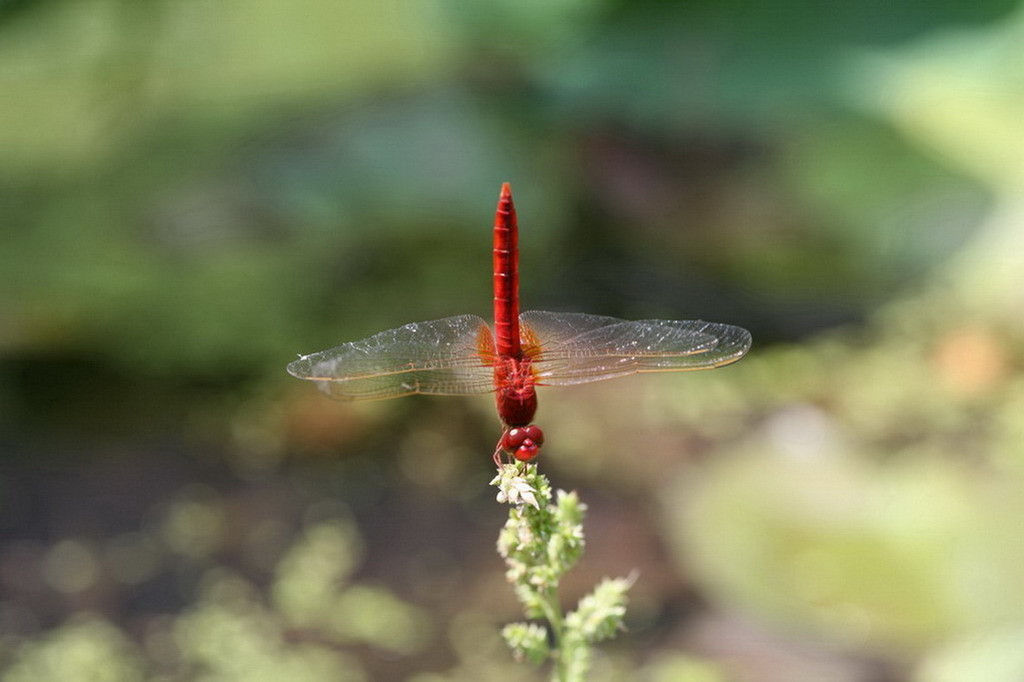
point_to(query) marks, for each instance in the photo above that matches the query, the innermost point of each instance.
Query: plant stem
(553, 612)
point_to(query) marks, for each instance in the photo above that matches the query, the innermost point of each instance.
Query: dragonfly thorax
(515, 396)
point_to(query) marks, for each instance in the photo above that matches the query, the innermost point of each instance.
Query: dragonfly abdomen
(506, 276)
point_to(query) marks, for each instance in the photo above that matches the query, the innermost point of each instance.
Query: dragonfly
(461, 355)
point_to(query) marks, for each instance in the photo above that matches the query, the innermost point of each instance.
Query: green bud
(599, 615)
(528, 641)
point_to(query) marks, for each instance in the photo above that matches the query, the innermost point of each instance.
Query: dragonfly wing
(576, 348)
(451, 356)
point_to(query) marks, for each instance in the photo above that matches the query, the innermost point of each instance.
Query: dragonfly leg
(499, 450)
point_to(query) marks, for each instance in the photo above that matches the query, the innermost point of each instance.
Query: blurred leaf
(674, 667)
(376, 617)
(993, 657)
(83, 77)
(88, 649)
(959, 93)
(227, 636)
(316, 568)
(905, 554)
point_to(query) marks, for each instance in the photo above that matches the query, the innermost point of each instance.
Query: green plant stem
(553, 612)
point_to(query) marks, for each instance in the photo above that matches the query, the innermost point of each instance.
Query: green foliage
(675, 667)
(312, 590)
(309, 575)
(233, 632)
(995, 657)
(88, 649)
(228, 635)
(541, 541)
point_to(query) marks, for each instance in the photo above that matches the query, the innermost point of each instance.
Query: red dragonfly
(462, 356)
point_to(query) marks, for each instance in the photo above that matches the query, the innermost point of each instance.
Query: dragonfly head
(523, 442)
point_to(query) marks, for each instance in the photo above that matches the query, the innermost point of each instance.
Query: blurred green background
(191, 193)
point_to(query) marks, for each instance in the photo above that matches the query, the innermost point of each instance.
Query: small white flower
(525, 492)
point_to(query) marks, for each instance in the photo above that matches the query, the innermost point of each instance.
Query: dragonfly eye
(514, 438)
(523, 442)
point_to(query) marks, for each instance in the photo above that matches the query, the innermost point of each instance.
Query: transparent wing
(451, 356)
(576, 348)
